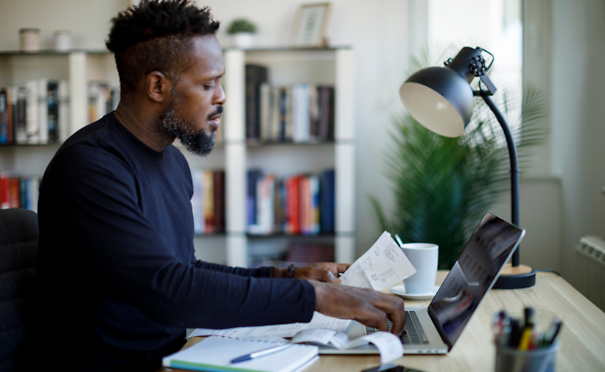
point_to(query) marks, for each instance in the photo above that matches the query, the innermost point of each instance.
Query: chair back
(18, 249)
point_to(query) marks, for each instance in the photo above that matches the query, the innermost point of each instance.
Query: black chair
(18, 248)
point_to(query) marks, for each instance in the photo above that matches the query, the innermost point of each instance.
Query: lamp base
(521, 276)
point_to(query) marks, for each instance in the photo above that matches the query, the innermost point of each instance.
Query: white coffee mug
(424, 257)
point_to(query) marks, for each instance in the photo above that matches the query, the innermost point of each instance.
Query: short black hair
(155, 36)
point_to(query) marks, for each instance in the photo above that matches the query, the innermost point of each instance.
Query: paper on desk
(383, 265)
(388, 344)
(319, 321)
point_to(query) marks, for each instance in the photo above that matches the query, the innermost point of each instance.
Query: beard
(171, 125)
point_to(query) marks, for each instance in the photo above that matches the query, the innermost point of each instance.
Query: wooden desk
(582, 337)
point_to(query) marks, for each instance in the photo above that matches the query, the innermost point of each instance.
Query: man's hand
(367, 306)
(321, 271)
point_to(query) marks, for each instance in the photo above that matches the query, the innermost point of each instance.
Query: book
(301, 112)
(265, 112)
(215, 354)
(209, 201)
(4, 104)
(63, 96)
(325, 113)
(275, 116)
(20, 115)
(197, 202)
(251, 201)
(4, 189)
(31, 112)
(327, 202)
(42, 110)
(11, 96)
(256, 75)
(219, 201)
(293, 205)
(14, 192)
(52, 111)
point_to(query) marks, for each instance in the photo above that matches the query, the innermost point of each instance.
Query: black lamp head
(441, 98)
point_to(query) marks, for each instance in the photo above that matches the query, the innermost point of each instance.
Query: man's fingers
(376, 319)
(341, 268)
(329, 277)
(369, 307)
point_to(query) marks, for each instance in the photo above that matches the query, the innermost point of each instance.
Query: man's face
(194, 112)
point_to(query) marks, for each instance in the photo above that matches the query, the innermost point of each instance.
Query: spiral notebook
(216, 353)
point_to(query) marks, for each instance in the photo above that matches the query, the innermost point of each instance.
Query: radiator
(590, 269)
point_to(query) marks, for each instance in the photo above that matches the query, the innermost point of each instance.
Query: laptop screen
(473, 275)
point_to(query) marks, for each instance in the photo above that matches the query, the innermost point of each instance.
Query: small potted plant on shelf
(242, 33)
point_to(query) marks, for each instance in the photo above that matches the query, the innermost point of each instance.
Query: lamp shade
(440, 99)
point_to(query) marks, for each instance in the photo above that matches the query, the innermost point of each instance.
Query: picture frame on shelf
(310, 25)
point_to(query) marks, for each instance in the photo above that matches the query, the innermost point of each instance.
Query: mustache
(219, 110)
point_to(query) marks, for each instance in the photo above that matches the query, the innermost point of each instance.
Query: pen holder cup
(514, 360)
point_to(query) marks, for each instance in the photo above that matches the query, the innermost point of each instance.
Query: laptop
(435, 330)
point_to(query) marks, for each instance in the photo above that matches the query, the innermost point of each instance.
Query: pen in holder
(521, 346)
(515, 360)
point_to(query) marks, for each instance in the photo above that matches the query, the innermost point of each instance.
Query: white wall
(87, 19)
(578, 118)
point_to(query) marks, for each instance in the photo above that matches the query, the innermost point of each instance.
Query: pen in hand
(260, 353)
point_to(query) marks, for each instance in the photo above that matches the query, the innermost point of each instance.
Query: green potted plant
(443, 186)
(242, 33)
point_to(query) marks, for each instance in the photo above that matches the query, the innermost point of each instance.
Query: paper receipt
(383, 265)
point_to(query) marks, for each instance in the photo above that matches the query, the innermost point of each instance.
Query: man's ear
(158, 86)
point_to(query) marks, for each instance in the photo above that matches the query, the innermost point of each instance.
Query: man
(117, 280)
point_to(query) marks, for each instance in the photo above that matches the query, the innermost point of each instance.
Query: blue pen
(260, 353)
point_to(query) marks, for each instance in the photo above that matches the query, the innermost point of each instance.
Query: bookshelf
(286, 66)
(234, 155)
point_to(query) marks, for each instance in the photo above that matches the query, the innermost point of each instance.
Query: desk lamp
(441, 99)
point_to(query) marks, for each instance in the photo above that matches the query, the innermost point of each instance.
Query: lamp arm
(514, 167)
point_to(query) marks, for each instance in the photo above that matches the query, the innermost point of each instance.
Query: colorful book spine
(4, 104)
(327, 202)
(52, 111)
(4, 189)
(31, 114)
(21, 116)
(42, 92)
(219, 201)
(302, 204)
(256, 75)
(197, 202)
(18, 191)
(209, 201)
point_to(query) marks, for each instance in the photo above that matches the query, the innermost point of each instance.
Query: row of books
(208, 201)
(102, 99)
(295, 113)
(36, 113)
(302, 204)
(18, 191)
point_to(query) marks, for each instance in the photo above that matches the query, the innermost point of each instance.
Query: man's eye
(208, 87)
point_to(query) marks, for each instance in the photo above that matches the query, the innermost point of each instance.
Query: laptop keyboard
(414, 334)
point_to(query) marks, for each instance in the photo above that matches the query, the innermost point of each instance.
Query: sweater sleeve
(124, 248)
(261, 272)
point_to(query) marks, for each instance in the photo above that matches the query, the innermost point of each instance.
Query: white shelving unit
(289, 66)
(79, 67)
(286, 66)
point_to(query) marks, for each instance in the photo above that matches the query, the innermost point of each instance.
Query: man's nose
(219, 97)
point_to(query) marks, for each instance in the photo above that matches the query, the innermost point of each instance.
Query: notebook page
(216, 353)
